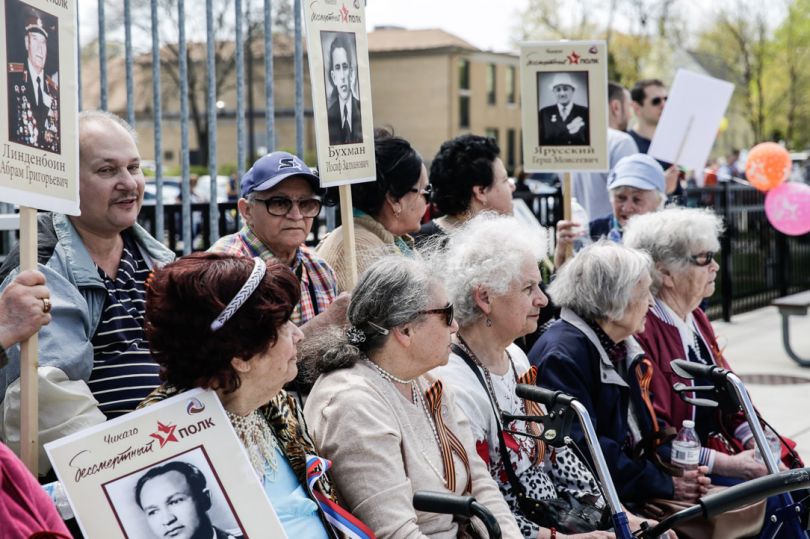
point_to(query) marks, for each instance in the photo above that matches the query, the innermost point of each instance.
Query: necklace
(525, 443)
(388, 376)
(255, 434)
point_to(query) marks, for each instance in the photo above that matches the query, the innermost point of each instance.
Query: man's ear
(205, 500)
(244, 209)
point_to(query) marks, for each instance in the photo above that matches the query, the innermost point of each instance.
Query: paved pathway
(753, 346)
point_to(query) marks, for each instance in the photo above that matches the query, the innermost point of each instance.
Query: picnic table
(792, 305)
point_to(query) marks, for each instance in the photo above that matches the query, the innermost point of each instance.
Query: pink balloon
(788, 208)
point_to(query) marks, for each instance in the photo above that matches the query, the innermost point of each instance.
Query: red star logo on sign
(573, 58)
(169, 430)
(344, 13)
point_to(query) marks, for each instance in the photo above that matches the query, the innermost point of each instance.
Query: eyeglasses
(702, 259)
(281, 206)
(446, 311)
(655, 101)
(426, 192)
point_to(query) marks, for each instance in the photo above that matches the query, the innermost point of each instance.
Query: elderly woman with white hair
(636, 185)
(493, 281)
(385, 422)
(590, 353)
(682, 243)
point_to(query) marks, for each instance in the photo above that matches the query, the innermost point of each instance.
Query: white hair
(598, 283)
(489, 251)
(672, 236)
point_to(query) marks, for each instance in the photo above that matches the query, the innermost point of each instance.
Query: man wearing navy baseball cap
(279, 198)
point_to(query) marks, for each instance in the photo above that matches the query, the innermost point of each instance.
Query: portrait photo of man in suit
(33, 82)
(564, 121)
(343, 106)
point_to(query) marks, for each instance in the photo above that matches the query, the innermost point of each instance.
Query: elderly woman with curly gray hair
(683, 243)
(493, 281)
(386, 423)
(590, 353)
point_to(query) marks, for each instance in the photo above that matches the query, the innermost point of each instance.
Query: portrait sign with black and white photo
(39, 155)
(341, 91)
(564, 106)
(173, 469)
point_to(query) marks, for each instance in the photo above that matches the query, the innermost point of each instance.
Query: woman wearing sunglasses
(387, 424)
(682, 243)
(386, 211)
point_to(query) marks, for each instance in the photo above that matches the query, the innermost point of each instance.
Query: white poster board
(691, 119)
(337, 52)
(124, 477)
(38, 120)
(564, 106)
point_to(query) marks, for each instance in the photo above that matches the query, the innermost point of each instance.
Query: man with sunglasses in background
(280, 197)
(649, 97)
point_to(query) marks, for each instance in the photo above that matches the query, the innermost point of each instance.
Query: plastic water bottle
(57, 494)
(580, 215)
(686, 447)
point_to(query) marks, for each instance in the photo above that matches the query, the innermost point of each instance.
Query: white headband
(250, 286)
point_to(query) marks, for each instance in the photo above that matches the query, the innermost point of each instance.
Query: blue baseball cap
(274, 168)
(639, 171)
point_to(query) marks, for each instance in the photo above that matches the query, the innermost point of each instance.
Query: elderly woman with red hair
(223, 322)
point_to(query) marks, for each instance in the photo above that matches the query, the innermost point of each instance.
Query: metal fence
(757, 263)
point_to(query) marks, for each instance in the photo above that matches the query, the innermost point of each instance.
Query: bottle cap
(689, 424)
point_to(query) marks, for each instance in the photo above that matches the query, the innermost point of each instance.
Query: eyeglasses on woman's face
(446, 311)
(425, 192)
(281, 206)
(702, 259)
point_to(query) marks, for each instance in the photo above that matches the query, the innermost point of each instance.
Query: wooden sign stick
(29, 403)
(567, 213)
(347, 223)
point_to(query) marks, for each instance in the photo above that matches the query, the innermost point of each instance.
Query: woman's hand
(742, 465)
(692, 484)
(565, 240)
(636, 521)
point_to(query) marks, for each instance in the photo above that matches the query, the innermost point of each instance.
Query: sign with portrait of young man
(341, 90)
(564, 106)
(173, 469)
(38, 123)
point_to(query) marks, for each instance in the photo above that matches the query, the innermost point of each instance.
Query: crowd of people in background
(405, 380)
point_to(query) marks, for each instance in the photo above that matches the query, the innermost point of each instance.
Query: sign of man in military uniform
(33, 95)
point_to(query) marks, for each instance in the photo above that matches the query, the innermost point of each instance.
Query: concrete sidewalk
(753, 345)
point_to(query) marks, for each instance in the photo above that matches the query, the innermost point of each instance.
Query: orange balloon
(767, 166)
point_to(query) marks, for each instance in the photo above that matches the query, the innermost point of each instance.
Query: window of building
(464, 111)
(510, 151)
(492, 132)
(464, 74)
(511, 85)
(491, 84)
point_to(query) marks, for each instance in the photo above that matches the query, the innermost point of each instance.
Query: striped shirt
(123, 371)
(316, 277)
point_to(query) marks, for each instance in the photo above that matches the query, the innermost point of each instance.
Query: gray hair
(672, 235)
(487, 251)
(662, 197)
(598, 283)
(389, 293)
(88, 116)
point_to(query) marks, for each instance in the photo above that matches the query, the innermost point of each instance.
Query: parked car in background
(170, 194)
(203, 188)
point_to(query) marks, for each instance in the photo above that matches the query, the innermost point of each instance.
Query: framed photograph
(38, 125)
(341, 91)
(564, 106)
(174, 469)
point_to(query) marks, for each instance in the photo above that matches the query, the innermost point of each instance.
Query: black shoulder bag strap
(517, 486)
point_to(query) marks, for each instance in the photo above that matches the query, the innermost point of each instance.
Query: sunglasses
(702, 259)
(426, 192)
(447, 312)
(281, 206)
(655, 101)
